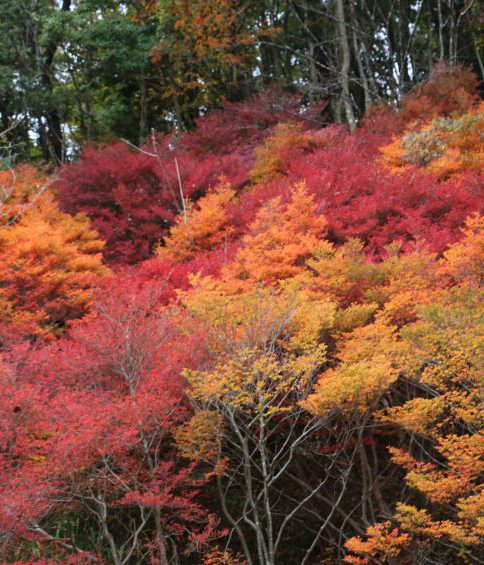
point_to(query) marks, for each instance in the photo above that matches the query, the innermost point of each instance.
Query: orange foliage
(343, 272)
(374, 362)
(47, 261)
(444, 355)
(211, 27)
(272, 156)
(464, 261)
(19, 189)
(204, 44)
(281, 239)
(383, 542)
(201, 228)
(223, 557)
(444, 146)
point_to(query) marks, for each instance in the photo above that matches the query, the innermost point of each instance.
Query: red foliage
(360, 198)
(127, 196)
(175, 275)
(81, 413)
(99, 406)
(449, 91)
(247, 123)
(133, 196)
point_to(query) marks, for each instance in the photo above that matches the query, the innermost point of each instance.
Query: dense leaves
(133, 195)
(48, 259)
(283, 363)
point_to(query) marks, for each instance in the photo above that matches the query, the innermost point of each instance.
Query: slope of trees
(257, 342)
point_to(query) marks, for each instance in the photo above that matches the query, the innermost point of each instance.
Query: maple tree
(132, 196)
(109, 450)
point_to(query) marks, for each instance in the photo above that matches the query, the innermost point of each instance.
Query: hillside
(256, 342)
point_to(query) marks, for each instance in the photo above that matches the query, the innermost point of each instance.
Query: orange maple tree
(48, 261)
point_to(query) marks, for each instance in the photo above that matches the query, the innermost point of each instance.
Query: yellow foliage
(368, 367)
(445, 357)
(447, 343)
(410, 280)
(270, 156)
(419, 415)
(257, 382)
(471, 510)
(267, 343)
(342, 272)
(262, 318)
(312, 317)
(199, 438)
(399, 341)
(356, 315)
(444, 146)
(351, 386)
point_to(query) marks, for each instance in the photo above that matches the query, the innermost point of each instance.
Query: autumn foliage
(445, 146)
(133, 196)
(48, 260)
(282, 362)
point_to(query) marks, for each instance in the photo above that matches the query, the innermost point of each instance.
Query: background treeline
(74, 72)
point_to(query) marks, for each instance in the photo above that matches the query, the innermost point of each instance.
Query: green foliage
(79, 72)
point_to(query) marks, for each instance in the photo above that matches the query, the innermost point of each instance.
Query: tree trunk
(143, 104)
(345, 65)
(359, 62)
(54, 138)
